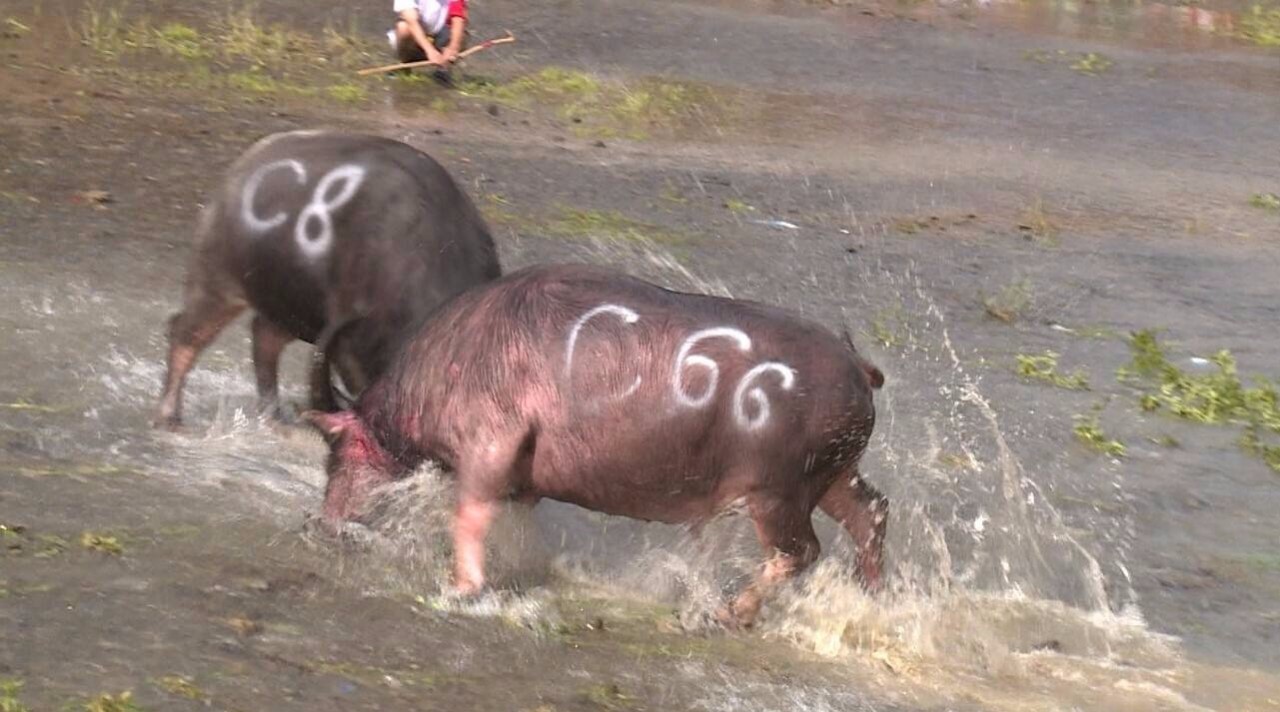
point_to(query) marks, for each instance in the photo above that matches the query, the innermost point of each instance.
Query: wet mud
(993, 198)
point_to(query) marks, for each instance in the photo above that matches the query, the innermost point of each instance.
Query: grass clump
(1036, 223)
(607, 696)
(236, 53)
(1010, 302)
(348, 93)
(888, 328)
(252, 82)
(609, 225)
(1091, 64)
(1089, 432)
(180, 686)
(1266, 201)
(122, 702)
(103, 29)
(1217, 397)
(13, 28)
(102, 543)
(9, 701)
(1261, 26)
(1044, 368)
(599, 107)
(177, 39)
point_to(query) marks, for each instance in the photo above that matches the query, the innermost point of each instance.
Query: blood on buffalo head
(357, 463)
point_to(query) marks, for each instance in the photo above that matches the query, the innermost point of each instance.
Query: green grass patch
(608, 225)
(605, 108)
(347, 93)
(253, 82)
(1091, 64)
(1216, 397)
(9, 689)
(608, 696)
(103, 29)
(122, 702)
(236, 53)
(1044, 368)
(1261, 26)
(888, 328)
(1266, 201)
(1089, 432)
(102, 543)
(1088, 63)
(180, 686)
(179, 40)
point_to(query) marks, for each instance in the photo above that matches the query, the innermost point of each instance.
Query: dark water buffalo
(321, 233)
(588, 386)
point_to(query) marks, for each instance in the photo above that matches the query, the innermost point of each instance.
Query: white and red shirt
(434, 14)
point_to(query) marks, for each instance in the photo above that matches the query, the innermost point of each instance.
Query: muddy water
(1027, 572)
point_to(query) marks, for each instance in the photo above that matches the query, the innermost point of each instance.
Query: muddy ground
(959, 185)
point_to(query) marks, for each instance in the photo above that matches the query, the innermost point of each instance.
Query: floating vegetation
(180, 686)
(1010, 302)
(1089, 432)
(1044, 368)
(1215, 397)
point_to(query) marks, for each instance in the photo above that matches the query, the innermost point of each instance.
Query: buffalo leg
(786, 532)
(863, 512)
(484, 480)
(321, 386)
(190, 331)
(269, 341)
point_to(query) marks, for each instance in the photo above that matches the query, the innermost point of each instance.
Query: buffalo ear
(331, 426)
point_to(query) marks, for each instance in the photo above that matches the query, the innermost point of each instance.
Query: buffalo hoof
(168, 423)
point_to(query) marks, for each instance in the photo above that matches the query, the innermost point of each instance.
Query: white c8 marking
(320, 206)
(318, 209)
(251, 186)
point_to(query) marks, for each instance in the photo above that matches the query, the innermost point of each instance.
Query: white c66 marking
(744, 391)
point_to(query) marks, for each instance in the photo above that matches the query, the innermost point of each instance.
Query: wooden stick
(461, 55)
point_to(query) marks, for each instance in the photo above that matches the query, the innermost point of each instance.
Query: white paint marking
(321, 206)
(251, 220)
(684, 359)
(626, 315)
(757, 395)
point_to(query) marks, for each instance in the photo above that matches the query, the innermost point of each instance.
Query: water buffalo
(319, 230)
(589, 386)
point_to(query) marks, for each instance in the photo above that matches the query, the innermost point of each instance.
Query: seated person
(431, 30)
